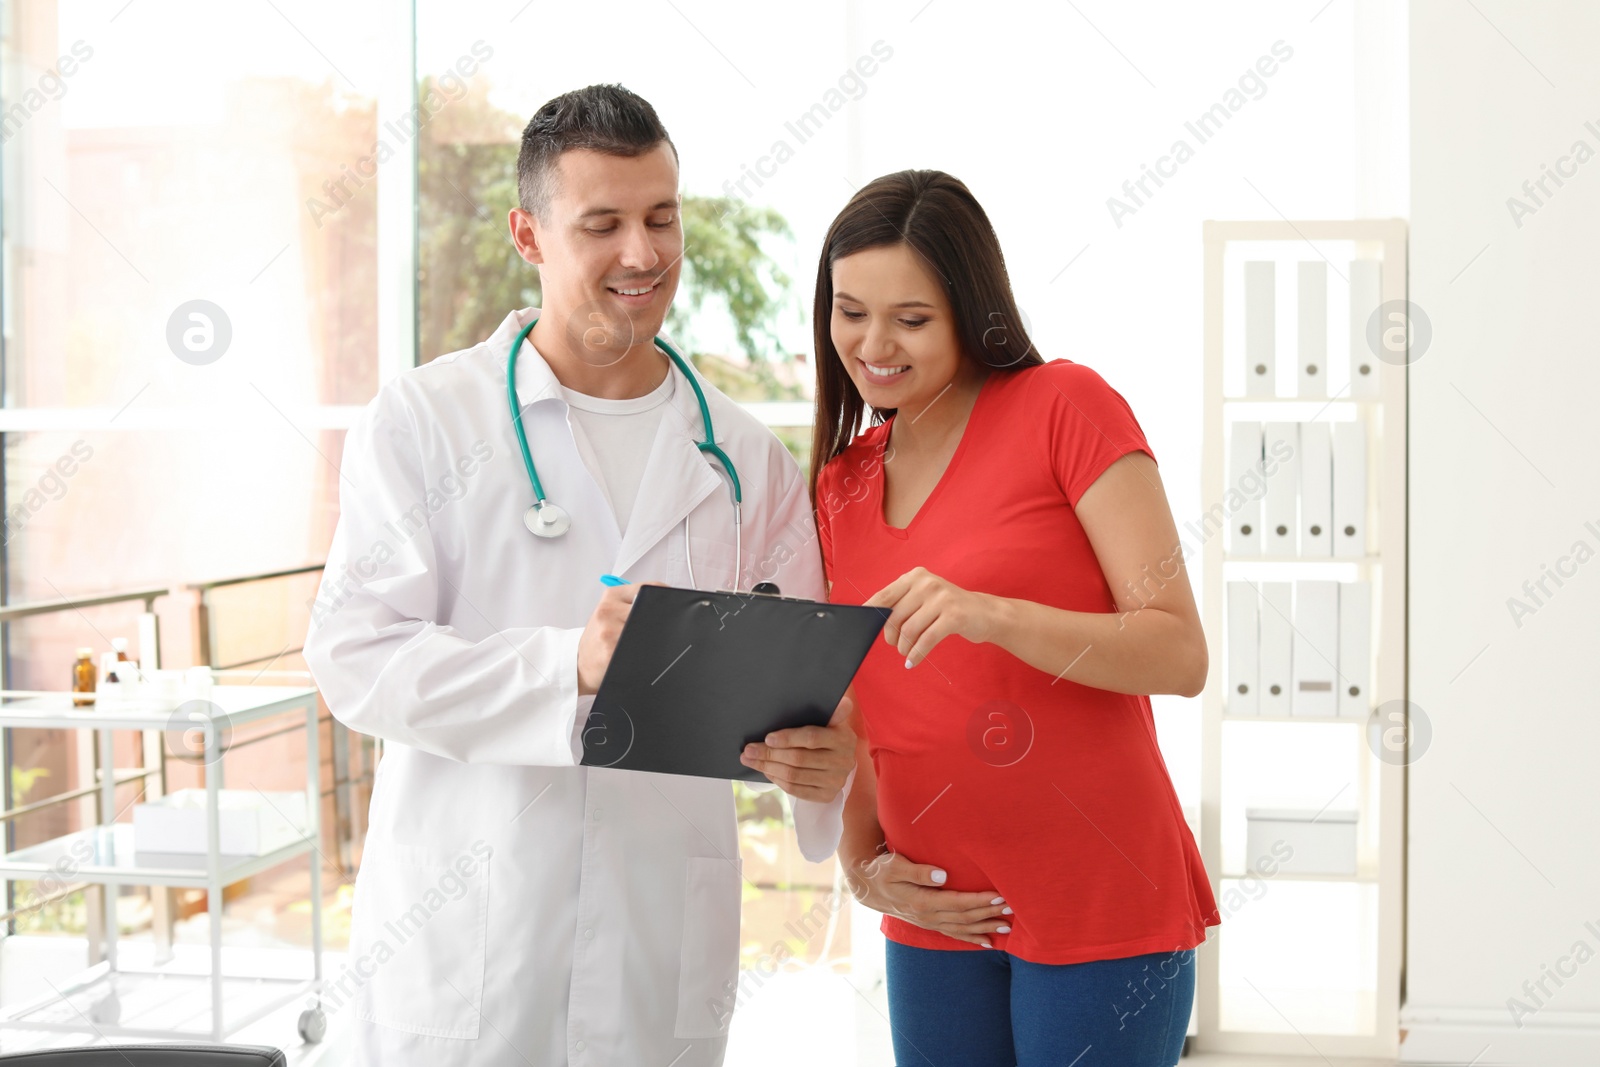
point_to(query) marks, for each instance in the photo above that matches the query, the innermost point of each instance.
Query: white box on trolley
(249, 823)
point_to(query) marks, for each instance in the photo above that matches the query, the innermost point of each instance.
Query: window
(189, 293)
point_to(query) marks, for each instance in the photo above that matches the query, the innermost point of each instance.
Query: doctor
(513, 907)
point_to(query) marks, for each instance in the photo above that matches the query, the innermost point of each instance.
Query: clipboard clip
(769, 590)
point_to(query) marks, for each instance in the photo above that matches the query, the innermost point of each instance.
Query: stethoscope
(545, 519)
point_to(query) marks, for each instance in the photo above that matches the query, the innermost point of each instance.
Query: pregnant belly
(933, 812)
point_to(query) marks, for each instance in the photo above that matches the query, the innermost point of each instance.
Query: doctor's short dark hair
(600, 118)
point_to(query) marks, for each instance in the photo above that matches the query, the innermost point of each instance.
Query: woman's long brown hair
(938, 218)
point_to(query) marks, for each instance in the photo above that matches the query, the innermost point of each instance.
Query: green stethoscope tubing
(709, 445)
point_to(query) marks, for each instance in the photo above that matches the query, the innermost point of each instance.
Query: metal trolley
(104, 854)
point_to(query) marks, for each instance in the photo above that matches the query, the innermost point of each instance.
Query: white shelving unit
(1301, 959)
(104, 854)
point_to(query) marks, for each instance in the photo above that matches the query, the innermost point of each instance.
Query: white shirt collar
(536, 381)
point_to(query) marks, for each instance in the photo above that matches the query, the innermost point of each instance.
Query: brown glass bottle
(83, 676)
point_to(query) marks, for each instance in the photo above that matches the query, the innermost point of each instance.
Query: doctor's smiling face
(611, 250)
(599, 216)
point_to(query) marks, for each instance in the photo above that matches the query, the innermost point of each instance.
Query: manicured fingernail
(998, 900)
(1005, 911)
(939, 876)
(987, 945)
(769, 739)
(1002, 929)
(908, 663)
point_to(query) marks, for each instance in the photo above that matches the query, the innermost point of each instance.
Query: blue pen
(612, 579)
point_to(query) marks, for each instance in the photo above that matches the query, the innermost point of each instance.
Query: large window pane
(167, 153)
(189, 293)
(738, 310)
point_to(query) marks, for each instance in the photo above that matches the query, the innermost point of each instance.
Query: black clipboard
(696, 676)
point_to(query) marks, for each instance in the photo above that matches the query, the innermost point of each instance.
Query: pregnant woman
(1012, 816)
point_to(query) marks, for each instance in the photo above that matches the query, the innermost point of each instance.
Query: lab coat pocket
(712, 560)
(709, 976)
(420, 925)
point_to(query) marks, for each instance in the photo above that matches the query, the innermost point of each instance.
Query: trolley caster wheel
(313, 1025)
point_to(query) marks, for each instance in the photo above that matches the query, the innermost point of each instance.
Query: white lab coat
(511, 906)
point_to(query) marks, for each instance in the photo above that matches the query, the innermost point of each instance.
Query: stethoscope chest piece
(546, 520)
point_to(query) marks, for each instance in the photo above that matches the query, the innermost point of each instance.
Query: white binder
(1244, 479)
(1316, 489)
(1260, 328)
(1312, 322)
(1243, 640)
(1365, 295)
(1355, 649)
(1316, 648)
(1277, 647)
(1278, 520)
(1350, 489)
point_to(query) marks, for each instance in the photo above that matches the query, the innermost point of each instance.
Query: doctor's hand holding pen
(600, 634)
(808, 762)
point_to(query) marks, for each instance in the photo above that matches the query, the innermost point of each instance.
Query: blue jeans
(988, 1008)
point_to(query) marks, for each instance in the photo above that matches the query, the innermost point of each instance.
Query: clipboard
(696, 676)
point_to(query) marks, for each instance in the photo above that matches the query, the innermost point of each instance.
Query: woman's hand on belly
(910, 891)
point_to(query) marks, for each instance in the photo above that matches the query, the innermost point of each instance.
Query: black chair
(150, 1056)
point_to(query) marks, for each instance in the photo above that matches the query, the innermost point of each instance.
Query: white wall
(1503, 865)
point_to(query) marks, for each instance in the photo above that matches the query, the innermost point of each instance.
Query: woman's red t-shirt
(1051, 793)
